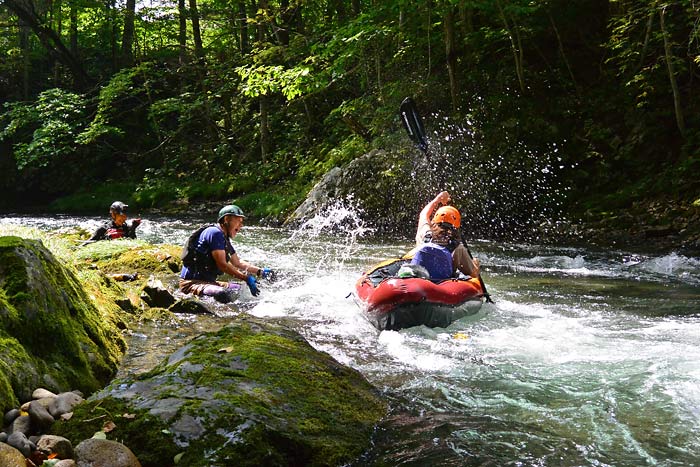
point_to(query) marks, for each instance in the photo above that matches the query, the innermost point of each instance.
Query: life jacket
(199, 261)
(436, 259)
(114, 232)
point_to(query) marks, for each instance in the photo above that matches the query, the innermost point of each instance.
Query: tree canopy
(213, 98)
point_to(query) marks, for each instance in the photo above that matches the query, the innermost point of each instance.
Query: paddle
(413, 123)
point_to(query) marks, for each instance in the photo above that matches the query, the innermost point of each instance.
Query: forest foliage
(256, 99)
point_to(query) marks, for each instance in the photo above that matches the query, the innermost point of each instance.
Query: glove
(252, 285)
(267, 273)
(135, 223)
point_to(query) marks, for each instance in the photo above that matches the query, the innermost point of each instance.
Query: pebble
(23, 443)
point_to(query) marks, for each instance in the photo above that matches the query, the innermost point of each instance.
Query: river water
(587, 357)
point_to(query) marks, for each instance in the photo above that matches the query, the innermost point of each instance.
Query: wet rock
(190, 306)
(41, 418)
(156, 295)
(58, 445)
(253, 393)
(3, 437)
(104, 453)
(22, 424)
(11, 457)
(54, 327)
(64, 403)
(10, 416)
(20, 442)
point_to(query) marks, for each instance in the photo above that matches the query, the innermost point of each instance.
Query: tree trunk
(680, 121)
(74, 28)
(196, 31)
(451, 55)
(51, 41)
(287, 15)
(128, 34)
(112, 31)
(561, 50)
(265, 136)
(356, 10)
(182, 32)
(26, 61)
(243, 19)
(515, 46)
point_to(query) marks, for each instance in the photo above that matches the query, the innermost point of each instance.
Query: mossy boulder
(51, 334)
(253, 393)
(130, 256)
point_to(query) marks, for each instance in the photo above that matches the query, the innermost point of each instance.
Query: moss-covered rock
(130, 256)
(51, 333)
(253, 393)
(387, 194)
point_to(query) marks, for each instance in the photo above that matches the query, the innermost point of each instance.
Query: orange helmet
(447, 214)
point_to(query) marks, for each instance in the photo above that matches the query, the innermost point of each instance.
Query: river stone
(41, 418)
(64, 403)
(104, 453)
(19, 441)
(66, 463)
(21, 424)
(40, 393)
(156, 295)
(11, 457)
(253, 393)
(51, 444)
(10, 416)
(189, 305)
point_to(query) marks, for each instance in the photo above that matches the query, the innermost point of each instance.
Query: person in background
(118, 227)
(213, 255)
(437, 235)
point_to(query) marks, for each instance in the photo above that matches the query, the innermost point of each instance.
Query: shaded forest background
(169, 102)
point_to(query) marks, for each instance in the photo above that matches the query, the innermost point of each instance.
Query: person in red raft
(439, 248)
(211, 254)
(118, 227)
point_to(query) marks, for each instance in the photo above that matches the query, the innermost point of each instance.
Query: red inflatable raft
(393, 303)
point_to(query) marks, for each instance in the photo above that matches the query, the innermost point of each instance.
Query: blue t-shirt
(436, 259)
(211, 238)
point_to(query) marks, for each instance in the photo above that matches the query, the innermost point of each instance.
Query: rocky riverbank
(252, 393)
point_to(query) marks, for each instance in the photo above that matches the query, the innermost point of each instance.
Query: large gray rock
(253, 393)
(53, 336)
(380, 189)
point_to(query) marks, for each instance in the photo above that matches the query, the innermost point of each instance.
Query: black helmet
(231, 209)
(118, 207)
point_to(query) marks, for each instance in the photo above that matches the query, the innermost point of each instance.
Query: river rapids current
(586, 358)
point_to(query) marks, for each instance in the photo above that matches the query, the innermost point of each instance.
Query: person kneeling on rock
(209, 253)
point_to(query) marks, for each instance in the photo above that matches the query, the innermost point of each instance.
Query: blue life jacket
(436, 259)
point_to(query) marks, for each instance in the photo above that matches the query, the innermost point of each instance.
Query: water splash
(516, 193)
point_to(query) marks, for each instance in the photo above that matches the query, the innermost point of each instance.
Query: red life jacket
(116, 232)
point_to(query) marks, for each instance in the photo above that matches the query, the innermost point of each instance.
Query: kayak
(391, 302)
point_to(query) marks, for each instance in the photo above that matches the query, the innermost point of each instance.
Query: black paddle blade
(413, 123)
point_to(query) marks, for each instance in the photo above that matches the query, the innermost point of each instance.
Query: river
(587, 357)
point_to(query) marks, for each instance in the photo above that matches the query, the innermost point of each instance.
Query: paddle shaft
(413, 123)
